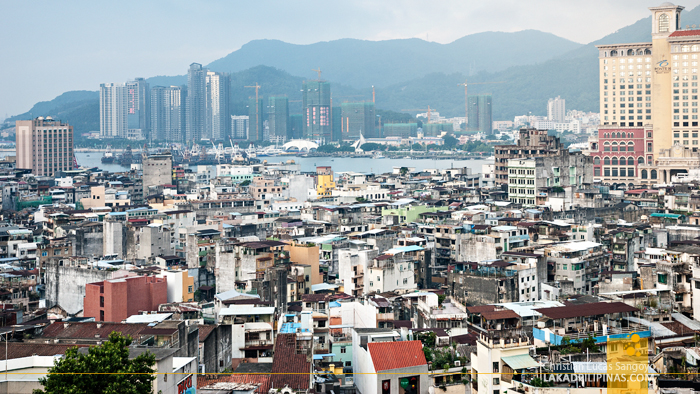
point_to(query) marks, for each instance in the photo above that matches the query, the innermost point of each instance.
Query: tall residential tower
(316, 110)
(168, 113)
(556, 109)
(196, 103)
(113, 113)
(218, 116)
(479, 113)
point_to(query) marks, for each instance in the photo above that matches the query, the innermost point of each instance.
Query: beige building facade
(44, 145)
(653, 87)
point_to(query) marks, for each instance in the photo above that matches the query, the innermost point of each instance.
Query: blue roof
(321, 356)
(665, 215)
(290, 328)
(410, 248)
(334, 304)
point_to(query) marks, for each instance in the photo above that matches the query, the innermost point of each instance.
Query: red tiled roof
(496, 315)
(19, 349)
(396, 355)
(286, 360)
(262, 380)
(481, 308)
(205, 330)
(314, 297)
(685, 33)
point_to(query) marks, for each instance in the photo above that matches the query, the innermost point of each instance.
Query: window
(342, 350)
(189, 289)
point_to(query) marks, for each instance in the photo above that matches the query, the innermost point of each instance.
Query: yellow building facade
(325, 184)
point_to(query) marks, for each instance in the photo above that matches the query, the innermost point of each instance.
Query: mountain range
(530, 66)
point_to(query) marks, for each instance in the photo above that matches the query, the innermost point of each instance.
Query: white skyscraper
(239, 127)
(218, 119)
(113, 110)
(556, 109)
(168, 113)
(138, 109)
(196, 106)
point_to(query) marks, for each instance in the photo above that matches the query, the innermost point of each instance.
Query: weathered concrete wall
(225, 270)
(586, 215)
(88, 241)
(479, 290)
(475, 247)
(65, 286)
(114, 240)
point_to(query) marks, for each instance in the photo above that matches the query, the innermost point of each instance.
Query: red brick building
(116, 299)
(620, 153)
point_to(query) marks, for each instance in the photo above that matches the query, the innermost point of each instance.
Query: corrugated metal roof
(592, 309)
(521, 361)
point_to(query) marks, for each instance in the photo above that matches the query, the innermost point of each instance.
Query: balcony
(385, 316)
(258, 343)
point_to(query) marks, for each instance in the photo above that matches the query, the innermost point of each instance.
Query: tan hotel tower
(649, 103)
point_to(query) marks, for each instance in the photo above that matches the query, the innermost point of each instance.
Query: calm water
(309, 164)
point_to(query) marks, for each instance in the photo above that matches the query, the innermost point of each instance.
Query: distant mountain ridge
(360, 63)
(409, 73)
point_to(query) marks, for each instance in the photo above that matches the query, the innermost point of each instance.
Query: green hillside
(361, 63)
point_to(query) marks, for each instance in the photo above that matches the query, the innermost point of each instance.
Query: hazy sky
(49, 47)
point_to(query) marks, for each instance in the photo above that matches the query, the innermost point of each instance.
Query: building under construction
(356, 119)
(316, 110)
(403, 130)
(480, 114)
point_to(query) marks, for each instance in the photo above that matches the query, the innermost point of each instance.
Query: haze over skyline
(50, 47)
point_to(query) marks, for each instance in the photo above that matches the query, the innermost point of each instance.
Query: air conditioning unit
(458, 363)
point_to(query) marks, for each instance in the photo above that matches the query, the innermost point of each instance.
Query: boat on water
(108, 157)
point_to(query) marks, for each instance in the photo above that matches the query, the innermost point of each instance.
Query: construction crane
(373, 97)
(466, 98)
(257, 115)
(319, 73)
(420, 109)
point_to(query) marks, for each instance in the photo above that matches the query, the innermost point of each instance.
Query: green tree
(428, 338)
(245, 183)
(110, 368)
(327, 149)
(370, 146)
(450, 142)
(403, 171)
